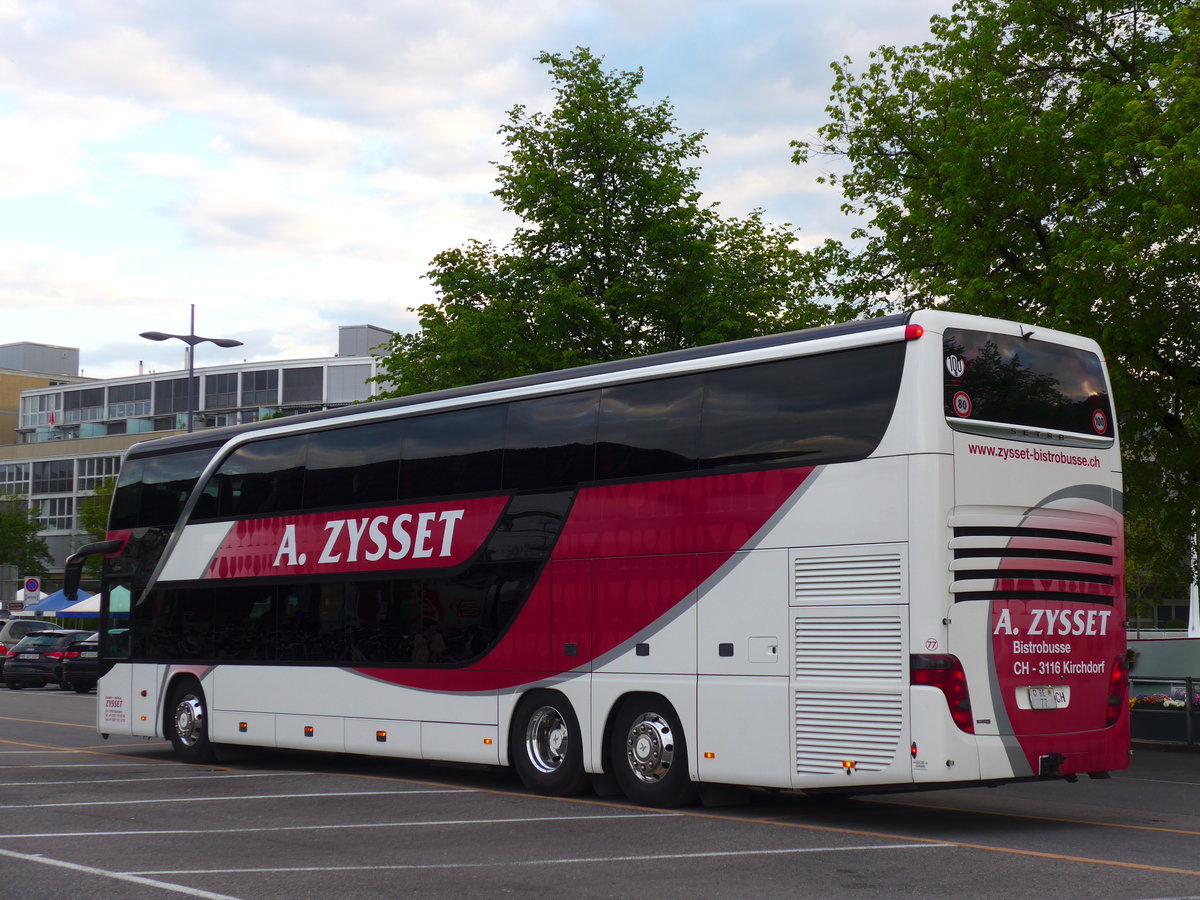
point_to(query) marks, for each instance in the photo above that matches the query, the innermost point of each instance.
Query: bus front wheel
(187, 722)
(546, 747)
(649, 754)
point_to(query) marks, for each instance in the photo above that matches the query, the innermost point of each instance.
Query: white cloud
(289, 167)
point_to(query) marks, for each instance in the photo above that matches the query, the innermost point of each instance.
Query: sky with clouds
(290, 167)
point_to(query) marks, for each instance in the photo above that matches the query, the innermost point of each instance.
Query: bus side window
(456, 452)
(551, 441)
(260, 478)
(355, 465)
(649, 428)
(800, 411)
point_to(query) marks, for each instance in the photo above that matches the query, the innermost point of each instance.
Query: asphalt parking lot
(84, 817)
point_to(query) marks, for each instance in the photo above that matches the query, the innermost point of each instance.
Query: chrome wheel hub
(650, 748)
(189, 720)
(546, 739)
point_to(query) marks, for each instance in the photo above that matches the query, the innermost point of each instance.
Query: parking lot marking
(78, 803)
(117, 876)
(75, 766)
(564, 861)
(93, 781)
(1128, 826)
(90, 727)
(528, 820)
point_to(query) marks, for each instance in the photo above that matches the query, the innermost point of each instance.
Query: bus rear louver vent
(832, 728)
(867, 578)
(1059, 559)
(850, 649)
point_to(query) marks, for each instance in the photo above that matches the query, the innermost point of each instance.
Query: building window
(57, 513)
(348, 384)
(55, 476)
(171, 396)
(221, 391)
(302, 385)
(40, 410)
(260, 388)
(14, 478)
(128, 400)
(97, 469)
(83, 406)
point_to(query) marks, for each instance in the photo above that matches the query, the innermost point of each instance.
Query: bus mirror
(73, 569)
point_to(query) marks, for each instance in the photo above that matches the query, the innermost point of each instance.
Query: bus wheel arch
(545, 744)
(186, 720)
(646, 751)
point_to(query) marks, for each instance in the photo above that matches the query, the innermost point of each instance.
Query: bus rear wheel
(546, 746)
(649, 754)
(187, 722)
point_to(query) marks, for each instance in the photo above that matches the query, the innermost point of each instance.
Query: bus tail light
(944, 672)
(913, 332)
(1118, 690)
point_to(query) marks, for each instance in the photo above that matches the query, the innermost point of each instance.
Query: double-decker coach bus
(860, 557)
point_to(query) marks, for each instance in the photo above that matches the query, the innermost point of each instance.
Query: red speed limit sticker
(1099, 422)
(962, 404)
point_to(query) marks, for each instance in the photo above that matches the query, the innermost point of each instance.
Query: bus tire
(649, 753)
(546, 745)
(186, 722)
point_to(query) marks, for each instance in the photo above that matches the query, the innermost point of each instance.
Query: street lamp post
(191, 339)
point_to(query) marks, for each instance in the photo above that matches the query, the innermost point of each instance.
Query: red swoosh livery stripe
(627, 556)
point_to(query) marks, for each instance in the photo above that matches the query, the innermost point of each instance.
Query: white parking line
(529, 820)
(199, 777)
(572, 860)
(79, 803)
(118, 876)
(81, 766)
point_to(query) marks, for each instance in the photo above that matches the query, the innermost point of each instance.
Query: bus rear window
(1002, 379)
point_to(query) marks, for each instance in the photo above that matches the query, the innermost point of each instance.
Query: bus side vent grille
(848, 579)
(850, 649)
(833, 728)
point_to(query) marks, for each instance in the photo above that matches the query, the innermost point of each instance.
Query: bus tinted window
(172, 624)
(1016, 381)
(551, 441)
(806, 410)
(152, 492)
(649, 428)
(256, 479)
(127, 497)
(350, 466)
(457, 452)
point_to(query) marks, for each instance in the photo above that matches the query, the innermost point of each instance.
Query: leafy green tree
(615, 255)
(20, 543)
(1040, 160)
(93, 521)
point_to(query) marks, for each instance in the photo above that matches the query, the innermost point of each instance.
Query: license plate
(1047, 698)
(29, 656)
(88, 654)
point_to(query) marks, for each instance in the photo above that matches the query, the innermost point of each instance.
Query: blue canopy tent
(54, 603)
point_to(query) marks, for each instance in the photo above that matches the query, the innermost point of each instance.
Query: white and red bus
(861, 557)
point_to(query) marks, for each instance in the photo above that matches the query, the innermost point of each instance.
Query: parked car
(12, 630)
(80, 664)
(36, 660)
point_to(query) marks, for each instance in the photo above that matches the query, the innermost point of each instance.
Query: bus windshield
(1005, 379)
